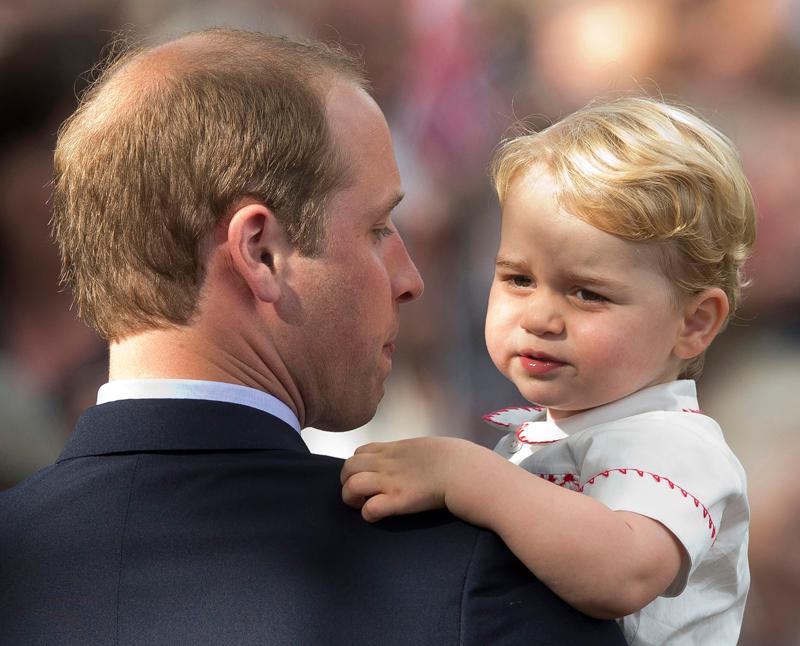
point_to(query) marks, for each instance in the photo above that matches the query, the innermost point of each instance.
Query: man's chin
(348, 418)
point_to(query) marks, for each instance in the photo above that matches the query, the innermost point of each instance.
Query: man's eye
(383, 232)
(590, 296)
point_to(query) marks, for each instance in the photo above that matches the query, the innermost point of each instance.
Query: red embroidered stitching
(693, 410)
(566, 480)
(658, 478)
(488, 417)
(524, 441)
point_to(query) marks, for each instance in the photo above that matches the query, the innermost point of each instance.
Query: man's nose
(543, 313)
(407, 284)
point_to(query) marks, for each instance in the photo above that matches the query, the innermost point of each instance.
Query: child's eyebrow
(505, 263)
(591, 278)
(585, 277)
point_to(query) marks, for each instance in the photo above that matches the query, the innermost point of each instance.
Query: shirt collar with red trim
(534, 424)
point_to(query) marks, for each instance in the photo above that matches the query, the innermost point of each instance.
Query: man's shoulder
(499, 601)
(134, 540)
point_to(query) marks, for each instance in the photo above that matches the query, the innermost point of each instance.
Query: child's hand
(391, 478)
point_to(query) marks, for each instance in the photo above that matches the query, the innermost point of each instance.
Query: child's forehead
(537, 188)
(533, 176)
(535, 222)
(534, 195)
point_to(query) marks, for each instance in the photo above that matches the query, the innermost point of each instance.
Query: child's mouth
(539, 364)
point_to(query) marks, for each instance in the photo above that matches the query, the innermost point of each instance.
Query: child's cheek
(494, 348)
(497, 340)
(602, 348)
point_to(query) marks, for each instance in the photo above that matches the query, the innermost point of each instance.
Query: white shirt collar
(196, 389)
(680, 395)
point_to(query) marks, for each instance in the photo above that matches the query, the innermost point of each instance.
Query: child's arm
(605, 563)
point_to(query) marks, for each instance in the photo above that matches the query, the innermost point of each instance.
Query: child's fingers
(379, 507)
(372, 447)
(360, 486)
(357, 464)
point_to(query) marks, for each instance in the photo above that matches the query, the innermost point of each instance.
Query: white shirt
(196, 389)
(656, 454)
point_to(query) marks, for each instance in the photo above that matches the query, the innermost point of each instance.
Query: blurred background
(452, 77)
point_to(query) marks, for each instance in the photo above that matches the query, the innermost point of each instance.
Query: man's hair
(161, 147)
(649, 172)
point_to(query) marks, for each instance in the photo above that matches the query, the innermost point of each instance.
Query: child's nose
(543, 314)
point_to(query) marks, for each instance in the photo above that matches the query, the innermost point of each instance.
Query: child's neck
(558, 414)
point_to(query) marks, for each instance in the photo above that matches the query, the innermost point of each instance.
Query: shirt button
(515, 445)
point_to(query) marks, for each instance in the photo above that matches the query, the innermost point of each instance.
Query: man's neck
(181, 353)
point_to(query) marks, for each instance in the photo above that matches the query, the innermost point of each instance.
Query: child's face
(577, 317)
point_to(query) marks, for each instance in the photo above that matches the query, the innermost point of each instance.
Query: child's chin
(537, 394)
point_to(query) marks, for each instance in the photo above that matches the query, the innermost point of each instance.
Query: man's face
(343, 340)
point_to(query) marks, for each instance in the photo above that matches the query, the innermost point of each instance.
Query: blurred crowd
(454, 77)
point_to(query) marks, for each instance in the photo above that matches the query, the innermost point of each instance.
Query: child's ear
(257, 244)
(703, 316)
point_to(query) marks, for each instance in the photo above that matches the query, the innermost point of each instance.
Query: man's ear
(257, 244)
(704, 314)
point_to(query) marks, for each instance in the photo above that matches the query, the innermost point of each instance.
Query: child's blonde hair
(649, 172)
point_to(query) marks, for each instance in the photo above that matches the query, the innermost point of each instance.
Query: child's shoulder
(683, 441)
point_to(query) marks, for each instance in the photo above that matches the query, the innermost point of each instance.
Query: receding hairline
(169, 135)
(136, 72)
(199, 50)
(137, 69)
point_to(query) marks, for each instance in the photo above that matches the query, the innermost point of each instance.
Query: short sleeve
(672, 467)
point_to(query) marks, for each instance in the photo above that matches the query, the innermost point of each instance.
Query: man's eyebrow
(384, 210)
(392, 204)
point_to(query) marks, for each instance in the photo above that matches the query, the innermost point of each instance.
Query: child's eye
(519, 281)
(589, 296)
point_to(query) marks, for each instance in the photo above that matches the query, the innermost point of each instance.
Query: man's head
(223, 207)
(336, 314)
(164, 144)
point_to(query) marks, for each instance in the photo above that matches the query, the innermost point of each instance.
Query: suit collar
(197, 389)
(142, 425)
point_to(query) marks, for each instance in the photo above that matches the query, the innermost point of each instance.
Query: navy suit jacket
(199, 522)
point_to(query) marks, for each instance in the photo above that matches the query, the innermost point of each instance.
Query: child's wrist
(468, 480)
